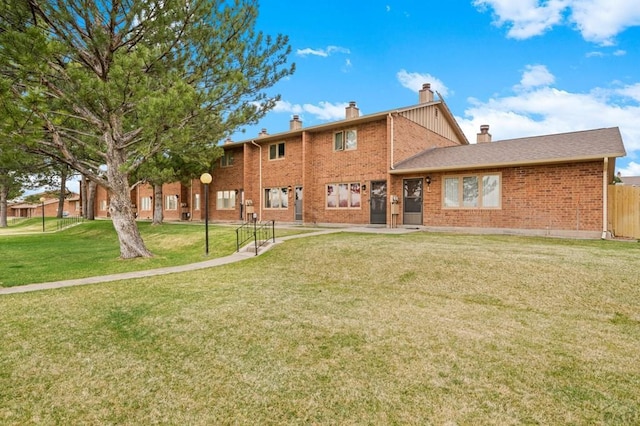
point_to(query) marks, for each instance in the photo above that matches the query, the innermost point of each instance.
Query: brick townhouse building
(409, 166)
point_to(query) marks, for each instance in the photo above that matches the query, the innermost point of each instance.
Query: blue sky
(525, 67)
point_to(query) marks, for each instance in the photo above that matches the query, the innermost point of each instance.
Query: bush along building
(409, 167)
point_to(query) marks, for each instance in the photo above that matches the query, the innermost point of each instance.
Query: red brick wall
(552, 197)
(411, 138)
(228, 178)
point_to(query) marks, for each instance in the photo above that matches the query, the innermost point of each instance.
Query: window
(345, 140)
(226, 200)
(472, 192)
(196, 201)
(276, 198)
(276, 151)
(226, 160)
(103, 205)
(171, 202)
(343, 195)
(145, 203)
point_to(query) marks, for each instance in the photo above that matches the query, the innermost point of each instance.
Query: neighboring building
(72, 207)
(630, 180)
(410, 166)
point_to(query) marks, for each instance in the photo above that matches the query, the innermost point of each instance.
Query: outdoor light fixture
(206, 179)
(364, 187)
(428, 180)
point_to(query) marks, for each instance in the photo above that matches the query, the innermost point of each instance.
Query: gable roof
(448, 115)
(557, 148)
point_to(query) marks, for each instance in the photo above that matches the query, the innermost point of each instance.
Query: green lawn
(91, 248)
(340, 329)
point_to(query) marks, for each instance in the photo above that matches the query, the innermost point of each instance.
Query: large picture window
(345, 140)
(480, 191)
(276, 198)
(226, 200)
(343, 195)
(276, 151)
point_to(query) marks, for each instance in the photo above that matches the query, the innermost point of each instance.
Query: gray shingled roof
(631, 180)
(557, 148)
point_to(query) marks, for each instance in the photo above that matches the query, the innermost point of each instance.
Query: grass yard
(340, 329)
(91, 249)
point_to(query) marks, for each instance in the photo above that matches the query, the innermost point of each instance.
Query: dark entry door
(378, 202)
(298, 203)
(412, 202)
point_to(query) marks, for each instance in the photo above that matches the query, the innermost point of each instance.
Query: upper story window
(472, 192)
(227, 159)
(276, 151)
(345, 140)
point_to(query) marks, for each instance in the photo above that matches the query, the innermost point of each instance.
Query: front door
(412, 202)
(298, 203)
(378, 202)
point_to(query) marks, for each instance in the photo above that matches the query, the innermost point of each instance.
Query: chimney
(484, 135)
(295, 123)
(352, 110)
(228, 141)
(425, 94)
(263, 133)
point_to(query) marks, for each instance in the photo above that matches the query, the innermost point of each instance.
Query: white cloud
(414, 81)
(598, 21)
(329, 50)
(619, 52)
(536, 75)
(544, 109)
(324, 111)
(631, 169)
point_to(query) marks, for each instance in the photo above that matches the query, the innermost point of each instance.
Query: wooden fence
(624, 211)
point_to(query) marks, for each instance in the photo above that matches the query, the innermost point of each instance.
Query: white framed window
(276, 198)
(145, 203)
(196, 201)
(482, 191)
(276, 151)
(103, 205)
(345, 140)
(227, 159)
(343, 195)
(171, 202)
(226, 200)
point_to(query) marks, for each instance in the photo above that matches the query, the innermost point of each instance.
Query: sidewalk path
(235, 257)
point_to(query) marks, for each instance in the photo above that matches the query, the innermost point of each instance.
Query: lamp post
(42, 201)
(206, 179)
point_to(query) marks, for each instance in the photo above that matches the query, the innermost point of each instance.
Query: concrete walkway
(235, 257)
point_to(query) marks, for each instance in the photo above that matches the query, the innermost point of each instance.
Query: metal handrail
(260, 232)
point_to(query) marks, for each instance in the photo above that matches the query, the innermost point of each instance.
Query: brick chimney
(228, 141)
(484, 136)
(263, 133)
(295, 123)
(425, 94)
(352, 110)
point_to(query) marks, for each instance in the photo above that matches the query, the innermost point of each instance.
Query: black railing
(68, 221)
(260, 232)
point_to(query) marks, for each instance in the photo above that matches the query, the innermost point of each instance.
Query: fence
(624, 211)
(260, 232)
(68, 221)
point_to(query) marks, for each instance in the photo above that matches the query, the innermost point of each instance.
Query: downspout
(259, 179)
(191, 200)
(391, 141)
(605, 198)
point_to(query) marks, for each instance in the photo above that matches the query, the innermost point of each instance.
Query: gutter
(260, 179)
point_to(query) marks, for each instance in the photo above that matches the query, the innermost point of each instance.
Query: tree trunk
(91, 200)
(123, 217)
(158, 217)
(4, 192)
(63, 191)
